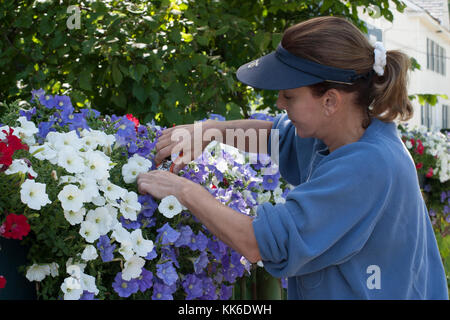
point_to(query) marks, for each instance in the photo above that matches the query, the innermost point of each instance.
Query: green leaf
(222, 30)
(276, 39)
(139, 92)
(136, 72)
(116, 74)
(85, 80)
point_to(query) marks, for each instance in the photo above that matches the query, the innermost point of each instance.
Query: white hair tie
(380, 58)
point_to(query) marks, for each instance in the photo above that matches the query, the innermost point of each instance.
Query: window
(436, 59)
(426, 116)
(445, 117)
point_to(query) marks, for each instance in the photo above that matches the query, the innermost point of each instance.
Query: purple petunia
(87, 295)
(167, 273)
(145, 280)
(225, 292)
(62, 102)
(162, 291)
(270, 182)
(209, 289)
(198, 242)
(185, 237)
(124, 288)
(167, 235)
(47, 101)
(151, 255)
(106, 248)
(201, 262)
(128, 224)
(36, 94)
(193, 287)
(148, 205)
(443, 196)
(27, 113)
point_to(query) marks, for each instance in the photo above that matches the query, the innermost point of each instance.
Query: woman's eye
(287, 98)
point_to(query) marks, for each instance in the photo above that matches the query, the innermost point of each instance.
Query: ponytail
(389, 91)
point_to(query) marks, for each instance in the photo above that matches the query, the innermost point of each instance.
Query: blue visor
(281, 70)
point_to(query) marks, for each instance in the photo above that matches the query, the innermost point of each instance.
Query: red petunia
(413, 142)
(6, 154)
(14, 142)
(15, 227)
(9, 146)
(420, 148)
(419, 165)
(2, 282)
(133, 119)
(429, 173)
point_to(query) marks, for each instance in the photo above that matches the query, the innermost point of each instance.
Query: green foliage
(173, 61)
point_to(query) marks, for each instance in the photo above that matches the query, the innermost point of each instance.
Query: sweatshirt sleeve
(328, 219)
(287, 152)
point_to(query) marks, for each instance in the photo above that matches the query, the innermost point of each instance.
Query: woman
(355, 226)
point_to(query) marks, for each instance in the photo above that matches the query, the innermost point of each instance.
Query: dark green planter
(259, 286)
(13, 255)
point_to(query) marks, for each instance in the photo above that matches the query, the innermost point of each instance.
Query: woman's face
(304, 110)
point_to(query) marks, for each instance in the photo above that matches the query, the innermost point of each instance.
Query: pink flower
(429, 173)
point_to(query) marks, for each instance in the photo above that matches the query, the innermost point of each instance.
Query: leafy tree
(173, 61)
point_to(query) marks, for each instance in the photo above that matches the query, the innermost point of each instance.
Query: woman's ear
(331, 101)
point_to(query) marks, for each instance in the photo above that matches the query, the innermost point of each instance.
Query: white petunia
(75, 217)
(89, 231)
(140, 245)
(67, 139)
(26, 131)
(54, 269)
(121, 234)
(264, 197)
(44, 152)
(99, 201)
(96, 165)
(37, 272)
(89, 188)
(130, 206)
(69, 159)
(71, 198)
(133, 268)
(88, 283)
(33, 194)
(222, 165)
(101, 218)
(72, 288)
(279, 200)
(141, 161)
(19, 165)
(126, 250)
(75, 268)
(111, 191)
(170, 206)
(89, 253)
(130, 171)
(408, 144)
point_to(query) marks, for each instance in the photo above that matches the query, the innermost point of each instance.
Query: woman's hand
(182, 138)
(160, 184)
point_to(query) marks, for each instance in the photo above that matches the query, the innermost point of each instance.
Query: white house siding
(409, 33)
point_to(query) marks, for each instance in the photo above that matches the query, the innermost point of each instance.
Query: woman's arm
(249, 135)
(233, 228)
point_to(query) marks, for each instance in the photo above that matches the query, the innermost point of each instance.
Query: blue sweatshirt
(355, 226)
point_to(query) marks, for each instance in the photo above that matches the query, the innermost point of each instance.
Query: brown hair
(336, 42)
